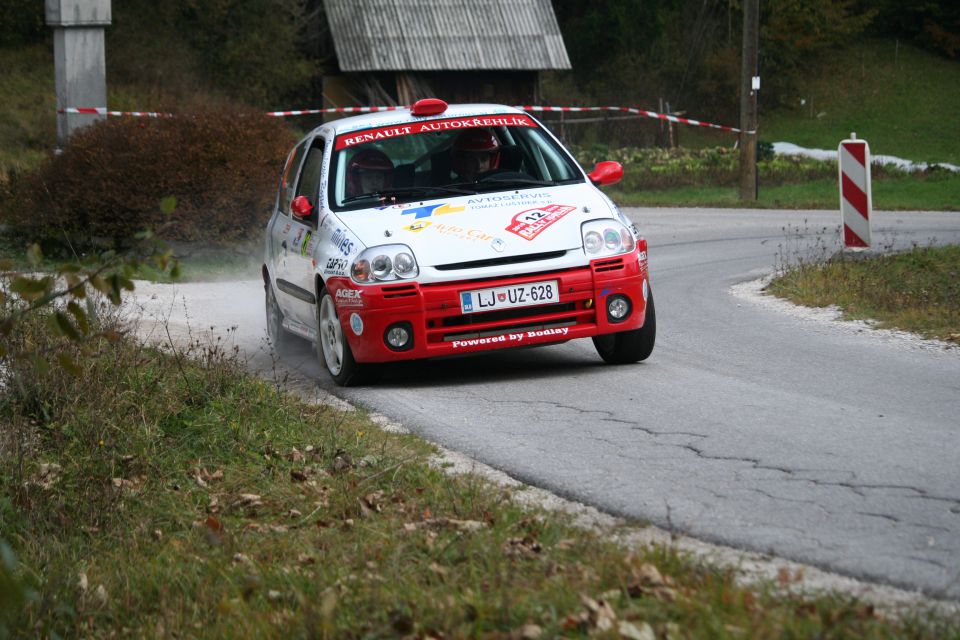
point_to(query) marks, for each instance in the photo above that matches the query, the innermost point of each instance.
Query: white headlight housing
(383, 264)
(606, 237)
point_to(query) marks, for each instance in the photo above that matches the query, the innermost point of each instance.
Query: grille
(508, 314)
(614, 264)
(399, 291)
(493, 262)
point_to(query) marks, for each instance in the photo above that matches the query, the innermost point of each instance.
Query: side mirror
(607, 172)
(301, 207)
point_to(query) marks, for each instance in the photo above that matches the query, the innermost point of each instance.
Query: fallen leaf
(527, 632)
(296, 457)
(241, 558)
(439, 570)
(82, 582)
(601, 614)
(274, 596)
(633, 632)
(101, 596)
(666, 594)
(247, 500)
(47, 475)
(299, 475)
(469, 526)
(305, 559)
(522, 546)
(374, 500)
(649, 575)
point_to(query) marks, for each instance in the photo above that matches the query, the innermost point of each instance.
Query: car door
(301, 240)
(281, 225)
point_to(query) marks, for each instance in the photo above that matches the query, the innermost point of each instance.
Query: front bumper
(432, 311)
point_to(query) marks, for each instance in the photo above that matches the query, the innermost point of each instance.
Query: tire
(629, 346)
(281, 341)
(333, 350)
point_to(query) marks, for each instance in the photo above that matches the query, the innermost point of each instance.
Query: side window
(289, 175)
(309, 183)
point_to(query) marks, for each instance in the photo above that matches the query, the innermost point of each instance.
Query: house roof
(445, 35)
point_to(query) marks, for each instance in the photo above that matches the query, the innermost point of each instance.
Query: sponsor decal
(642, 256)
(498, 245)
(532, 222)
(430, 126)
(296, 240)
(349, 298)
(433, 209)
(306, 246)
(509, 198)
(453, 231)
(286, 229)
(336, 265)
(417, 227)
(511, 337)
(356, 324)
(341, 241)
(399, 205)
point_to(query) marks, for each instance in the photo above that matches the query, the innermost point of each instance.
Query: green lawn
(902, 100)
(938, 192)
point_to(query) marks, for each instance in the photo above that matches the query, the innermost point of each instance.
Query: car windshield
(436, 158)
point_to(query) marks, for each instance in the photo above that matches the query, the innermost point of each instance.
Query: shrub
(107, 184)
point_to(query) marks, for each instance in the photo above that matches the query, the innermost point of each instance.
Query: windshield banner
(429, 126)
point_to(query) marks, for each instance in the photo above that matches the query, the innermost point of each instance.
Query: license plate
(516, 295)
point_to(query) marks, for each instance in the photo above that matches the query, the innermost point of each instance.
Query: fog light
(618, 308)
(399, 337)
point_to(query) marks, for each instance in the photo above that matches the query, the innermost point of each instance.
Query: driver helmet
(473, 147)
(368, 171)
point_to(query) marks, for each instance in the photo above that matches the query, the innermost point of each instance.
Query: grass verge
(166, 493)
(917, 291)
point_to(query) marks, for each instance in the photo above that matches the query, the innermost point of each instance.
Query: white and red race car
(449, 229)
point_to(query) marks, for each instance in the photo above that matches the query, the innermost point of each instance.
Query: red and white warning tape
(306, 112)
(640, 112)
(309, 112)
(102, 111)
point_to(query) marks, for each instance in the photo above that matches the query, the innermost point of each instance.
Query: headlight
(606, 237)
(384, 263)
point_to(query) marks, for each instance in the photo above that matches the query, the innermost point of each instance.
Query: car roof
(402, 115)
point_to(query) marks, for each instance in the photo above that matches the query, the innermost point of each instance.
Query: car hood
(483, 226)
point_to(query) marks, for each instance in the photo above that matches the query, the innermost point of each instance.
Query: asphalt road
(748, 426)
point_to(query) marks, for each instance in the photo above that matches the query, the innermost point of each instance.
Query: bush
(108, 183)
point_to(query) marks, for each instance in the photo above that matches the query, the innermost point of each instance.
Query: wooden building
(397, 51)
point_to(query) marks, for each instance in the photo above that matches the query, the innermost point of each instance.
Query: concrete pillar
(79, 59)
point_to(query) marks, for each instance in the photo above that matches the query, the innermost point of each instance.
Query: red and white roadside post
(856, 200)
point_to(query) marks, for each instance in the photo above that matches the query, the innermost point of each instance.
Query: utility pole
(79, 60)
(749, 86)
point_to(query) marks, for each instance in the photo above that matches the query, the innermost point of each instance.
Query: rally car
(439, 230)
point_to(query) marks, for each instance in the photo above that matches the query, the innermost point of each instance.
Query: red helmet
(367, 162)
(475, 141)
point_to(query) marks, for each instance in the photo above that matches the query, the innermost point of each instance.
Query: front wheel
(629, 346)
(333, 350)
